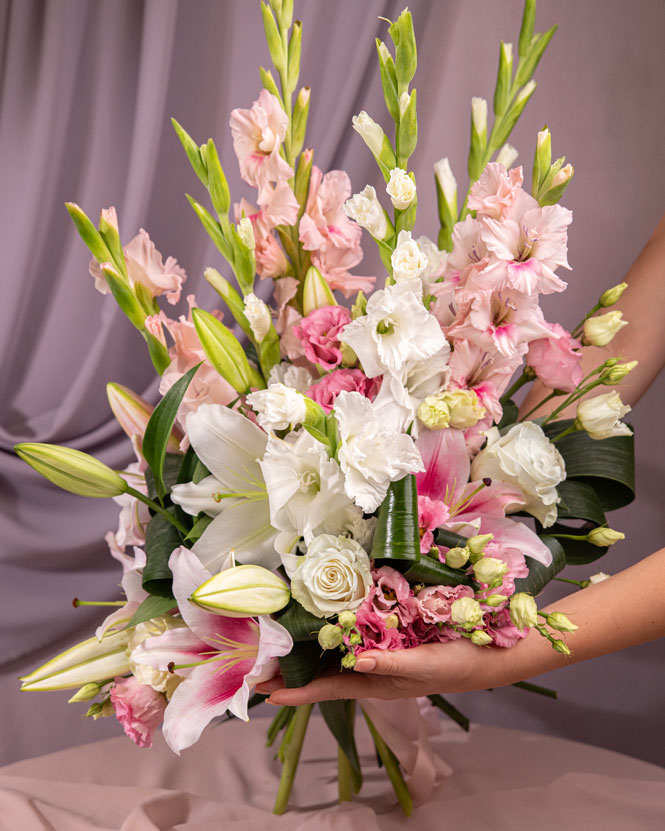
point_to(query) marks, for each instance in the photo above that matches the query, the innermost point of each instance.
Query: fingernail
(365, 665)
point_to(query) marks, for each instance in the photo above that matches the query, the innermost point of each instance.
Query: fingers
(267, 687)
(408, 663)
(326, 688)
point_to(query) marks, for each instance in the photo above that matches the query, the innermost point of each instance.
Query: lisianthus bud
(599, 330)
(391, 621)
(467, 612)
(603, 537)
(349, 661)
(600, 416)
(615, 374)
(560, 646)
(346, 619)
(370, 132)
(507, 156)
(558, 621)
(598, 578)
(489, 570)
(434, 413)
(258, 315)
(242, 591)
(496, 599)
(101, 709)
(71, 469)
(480, 637)
(330, 636)
(457, 557)
(477, 543)
(523, 610)
(611, 296)
(87, 692)
(366, 210)
(316, 292)
(401, 189)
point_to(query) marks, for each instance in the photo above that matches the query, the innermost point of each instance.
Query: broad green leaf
(449, 538)
(432, 572)
(338, 715)
(172, 464)
(301, 624)
(302, 663)
(161, 539)
(160, 425)
(151, 607)
(510, 414)
(579, 501)
(539, 575)
(199, 527)
(397, 536)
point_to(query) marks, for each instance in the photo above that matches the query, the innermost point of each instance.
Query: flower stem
(547, 398)
(344, 787)
(563, 433)
(390, 763)
(296, 734)
(581, 584)
(527, 375)
(157, 508)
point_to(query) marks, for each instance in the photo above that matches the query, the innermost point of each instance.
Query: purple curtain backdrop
(86, 93)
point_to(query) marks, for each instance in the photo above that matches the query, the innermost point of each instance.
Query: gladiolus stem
(157, 508)
(343, 777)
(390, 763)
(296, 735)
(527, 375)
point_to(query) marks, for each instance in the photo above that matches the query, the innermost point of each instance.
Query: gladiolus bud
(489, 570)
(467, 612)
(346, 619)
(242, 591)
(604, 537)
(86, 693)
(72, 470)
(523, 610)
(477, 543)
(370, 132)
(558, 621)
(480, 637)
(599, 330)
(457, 557)
(600, 416)
(447, 183)
(403, 36)
(316, 292)
(561, 647)
(401, 189)
(258, 315)
(479, 115)
(611, 296)
(616, 373)
(507, 156)
(246, 233)
(329, 636)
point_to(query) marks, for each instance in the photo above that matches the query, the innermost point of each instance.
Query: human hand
(457, 666)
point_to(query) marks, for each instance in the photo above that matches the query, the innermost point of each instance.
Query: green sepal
(217, 185)
(231, 297)
(244, 263)
(88, 233)
(527, 27)
(153, 606)
(406, 55)
(503, 83)
(294, 52)
(407, 131)
(405, 220)
(539, 575)
(273, 38)
(528, 64)
(109, 233)
(212, 228)
(159, 427)
(159, 354)
(505, 126)
(388, 82)
(338, 716)
(161, 540)
(269, 83)
(124, 296)
(191, 148)
(397, 535)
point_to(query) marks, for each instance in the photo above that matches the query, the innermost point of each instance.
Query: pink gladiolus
(324, 222)
(139, 709)
(325, 391)
(270, 258)
(258, 134)
(334, 264)
(487, 373)
(495, 191)
(557, 359)
(319, 334)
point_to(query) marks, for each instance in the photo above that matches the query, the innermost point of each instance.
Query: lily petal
(513, 534)
(446, 461)
(244, 527)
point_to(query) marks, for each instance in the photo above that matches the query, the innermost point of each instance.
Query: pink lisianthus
(375, 634)
(139, 709)
(557, 359)
(431, 515)
(495, 191)
(258, 134)
(503, 631)
(325, 391)
(433, 603)
(319, 334)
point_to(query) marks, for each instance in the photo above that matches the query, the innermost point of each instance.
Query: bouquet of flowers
(330, 477)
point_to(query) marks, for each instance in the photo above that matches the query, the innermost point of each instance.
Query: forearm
(623, 611)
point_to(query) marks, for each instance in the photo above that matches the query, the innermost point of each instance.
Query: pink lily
(220, 658)
(473, 506)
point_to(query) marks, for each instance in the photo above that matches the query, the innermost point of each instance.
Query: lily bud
(346, 619)
(604, 537)
(489, 570)
(86, 693)
(88, 662)
(477, 543)
(611, 296)
(329, 636)
(616, 373)
(242, 591)
(133, 413)
(72, 470)
(480, 637)
(507, 156)
(457, 557)
(316, 291)
(523, 610)
(258, 315)
(225, 352)
(558, 621)
(467, 612)
(600, 416)
(599, 330)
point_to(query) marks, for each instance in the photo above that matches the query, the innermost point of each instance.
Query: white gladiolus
(407, 260)
(289, 375)
(278, 408)
(599, 330)
(258, 315)
(365, 209)
(600, 416)
(332, 577)
(524, 457)
(371, 132)
(401, 189)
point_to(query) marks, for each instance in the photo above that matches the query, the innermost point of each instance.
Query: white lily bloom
(229, 445)
(305, 490)
(396, 331)
(371, 455)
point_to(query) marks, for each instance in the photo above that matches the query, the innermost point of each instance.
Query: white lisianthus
(460, 409)
(489, 569)
(524, 457)
(160, 680)
(370, 455)
(407, 260)
(401, 189)
(366, 210)
(332, 577)
(290, 375)
(523, 610)
(395, 331)
(278, 408)
(371, 132)
(467, 612)
(599, 330)
(305, 490)
(258, 315)
(600, 416)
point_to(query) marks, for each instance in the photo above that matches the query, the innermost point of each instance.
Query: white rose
(332, 577)
(258, 315)
(278, 408)
(290, 375)
(366, 210)
(524, 457)
(600, 416)
(160, 680)
(407, 260)
(401, 189)
(371, 132)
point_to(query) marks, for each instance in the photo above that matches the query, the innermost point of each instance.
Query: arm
(642, 340)
(632, 598)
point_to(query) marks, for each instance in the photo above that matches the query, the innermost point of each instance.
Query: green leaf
(449, 538)
(579, 501)
(535, 688)
(159, 354)
(397, 536)
(172, 465)
(608, 465)
(510, 414)
(539, 575)
(199, 527)
(152, 607)
(338, 715)
(302, 663)
(161, 539)
(450, 710)
(160, 425)
(432, 572)
(301, 624)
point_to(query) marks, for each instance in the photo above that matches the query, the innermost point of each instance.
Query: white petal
(244, 527)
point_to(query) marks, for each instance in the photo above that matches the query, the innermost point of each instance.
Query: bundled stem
(390, 763)
(295, 735)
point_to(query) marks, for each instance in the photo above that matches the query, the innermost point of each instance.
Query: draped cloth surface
(86, 92)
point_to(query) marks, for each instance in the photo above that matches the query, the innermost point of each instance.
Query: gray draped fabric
(87, 88)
